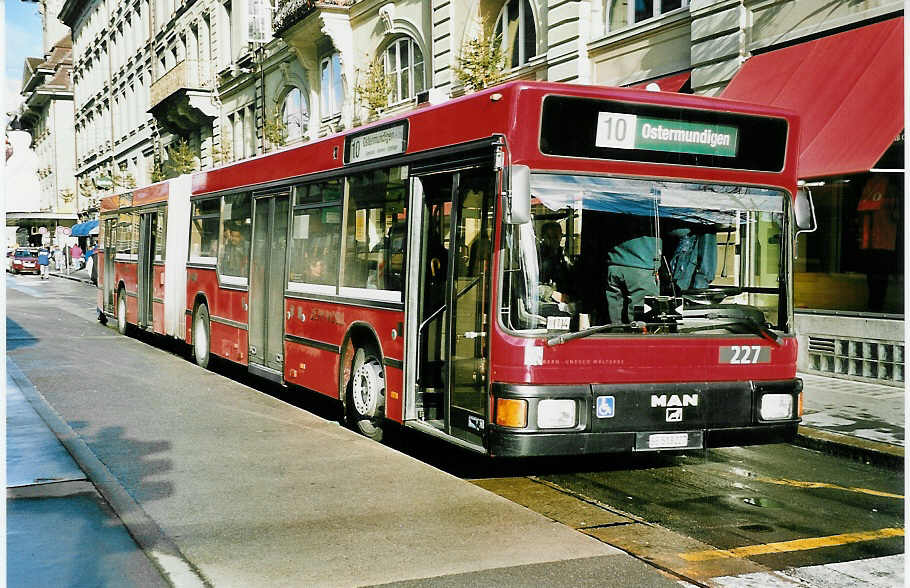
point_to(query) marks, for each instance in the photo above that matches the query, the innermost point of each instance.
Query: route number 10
(615, 131)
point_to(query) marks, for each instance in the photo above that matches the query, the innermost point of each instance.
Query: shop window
(294, 115)
(331, 87)
(234, 252)
(623, 13)
(375, 232)
(204, 231)
(516, 31)
(403, 64)
(316, 237)
(854, 262)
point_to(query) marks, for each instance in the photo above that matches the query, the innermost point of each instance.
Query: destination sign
(383, 142)
(630, 131)
(626, 130)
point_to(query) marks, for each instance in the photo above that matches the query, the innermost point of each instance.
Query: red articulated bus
(534, 269)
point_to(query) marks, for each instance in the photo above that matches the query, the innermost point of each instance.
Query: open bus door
(449, 312)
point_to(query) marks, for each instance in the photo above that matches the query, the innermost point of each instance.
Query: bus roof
(504, 110)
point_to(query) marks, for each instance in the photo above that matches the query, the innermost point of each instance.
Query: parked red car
(25, 261)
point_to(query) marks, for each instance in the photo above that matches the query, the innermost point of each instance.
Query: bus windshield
(620, 255)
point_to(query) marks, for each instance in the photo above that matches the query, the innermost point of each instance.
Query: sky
(22, 38)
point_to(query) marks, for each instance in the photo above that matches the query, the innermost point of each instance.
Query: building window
(331, 87)
(515, 29)
(294, 115)
(403, 64)
(623, 13)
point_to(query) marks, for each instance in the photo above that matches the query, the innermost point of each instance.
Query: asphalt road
(760, 508)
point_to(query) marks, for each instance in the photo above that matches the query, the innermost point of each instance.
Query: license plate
(680, 440)
(29, 265)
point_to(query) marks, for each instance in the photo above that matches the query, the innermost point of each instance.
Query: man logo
(664, 401)
(674, 415)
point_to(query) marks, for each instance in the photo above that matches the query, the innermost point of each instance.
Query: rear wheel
(366, 393)
(201, 340)
(122, 325)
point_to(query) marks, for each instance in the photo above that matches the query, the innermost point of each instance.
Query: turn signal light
(800, 405)
(511, 412)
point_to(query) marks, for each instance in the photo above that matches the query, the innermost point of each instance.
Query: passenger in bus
(555, 268)
(633, 262)
(694, 261)
(236, 252)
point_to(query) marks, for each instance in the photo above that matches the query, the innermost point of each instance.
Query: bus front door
(148, 230)
(267, 280)
(452, 321)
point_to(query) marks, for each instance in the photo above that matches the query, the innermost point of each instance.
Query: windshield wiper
(739, 316)
(633, 327)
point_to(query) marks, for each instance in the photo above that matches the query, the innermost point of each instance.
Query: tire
(122, 325)
(366, 394)
(201, 336)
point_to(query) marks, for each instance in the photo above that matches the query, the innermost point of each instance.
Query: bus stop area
(209, 482)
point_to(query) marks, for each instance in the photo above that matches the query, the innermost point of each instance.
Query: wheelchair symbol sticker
(605, 407)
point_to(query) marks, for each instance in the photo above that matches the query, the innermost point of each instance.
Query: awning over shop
(672, 83)
(847, 89)
(85, 229)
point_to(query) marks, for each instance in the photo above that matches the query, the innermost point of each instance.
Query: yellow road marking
(795, 545)
(800, 484)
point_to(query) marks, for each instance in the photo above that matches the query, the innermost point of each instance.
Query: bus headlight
(775, 407)
(556, 414)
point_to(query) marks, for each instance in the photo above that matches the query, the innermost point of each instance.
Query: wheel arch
(359, 334)
(198, 300)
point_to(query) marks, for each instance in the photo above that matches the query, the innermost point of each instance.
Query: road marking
(795, 545)
(801, 484)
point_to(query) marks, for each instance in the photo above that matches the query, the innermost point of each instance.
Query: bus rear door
(267, 279)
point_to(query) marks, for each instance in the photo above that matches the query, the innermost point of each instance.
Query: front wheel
(122, 325)
(201, 340)
(366, 393)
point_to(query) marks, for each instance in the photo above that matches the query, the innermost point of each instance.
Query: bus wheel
(366, 393)
(201, 340)
(122, 325)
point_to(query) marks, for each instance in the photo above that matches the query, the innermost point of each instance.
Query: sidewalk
(853, 419)
(59, 530)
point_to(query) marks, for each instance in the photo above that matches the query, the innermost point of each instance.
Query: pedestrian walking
(76, 254)
(58, 258)
(44, 261)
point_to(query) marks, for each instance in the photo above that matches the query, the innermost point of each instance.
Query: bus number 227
(745, 354)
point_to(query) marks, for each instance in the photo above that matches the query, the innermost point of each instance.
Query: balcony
(182, 100)
(290, 12)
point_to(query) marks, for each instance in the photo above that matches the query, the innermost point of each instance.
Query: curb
(870, 452)
(73, 278)
(149, 537)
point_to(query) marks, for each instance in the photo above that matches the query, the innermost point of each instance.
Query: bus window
(123, 235)
(160, 238)
(315, 238)
(234, 250)
(375, 235)
(204, 231)
(598, 247)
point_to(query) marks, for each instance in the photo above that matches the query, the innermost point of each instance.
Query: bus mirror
(519, 198)
(804, 212)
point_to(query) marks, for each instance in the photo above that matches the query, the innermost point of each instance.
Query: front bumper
(715, 414)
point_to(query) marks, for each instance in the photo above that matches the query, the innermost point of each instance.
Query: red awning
(671, 83)
(847, 89)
